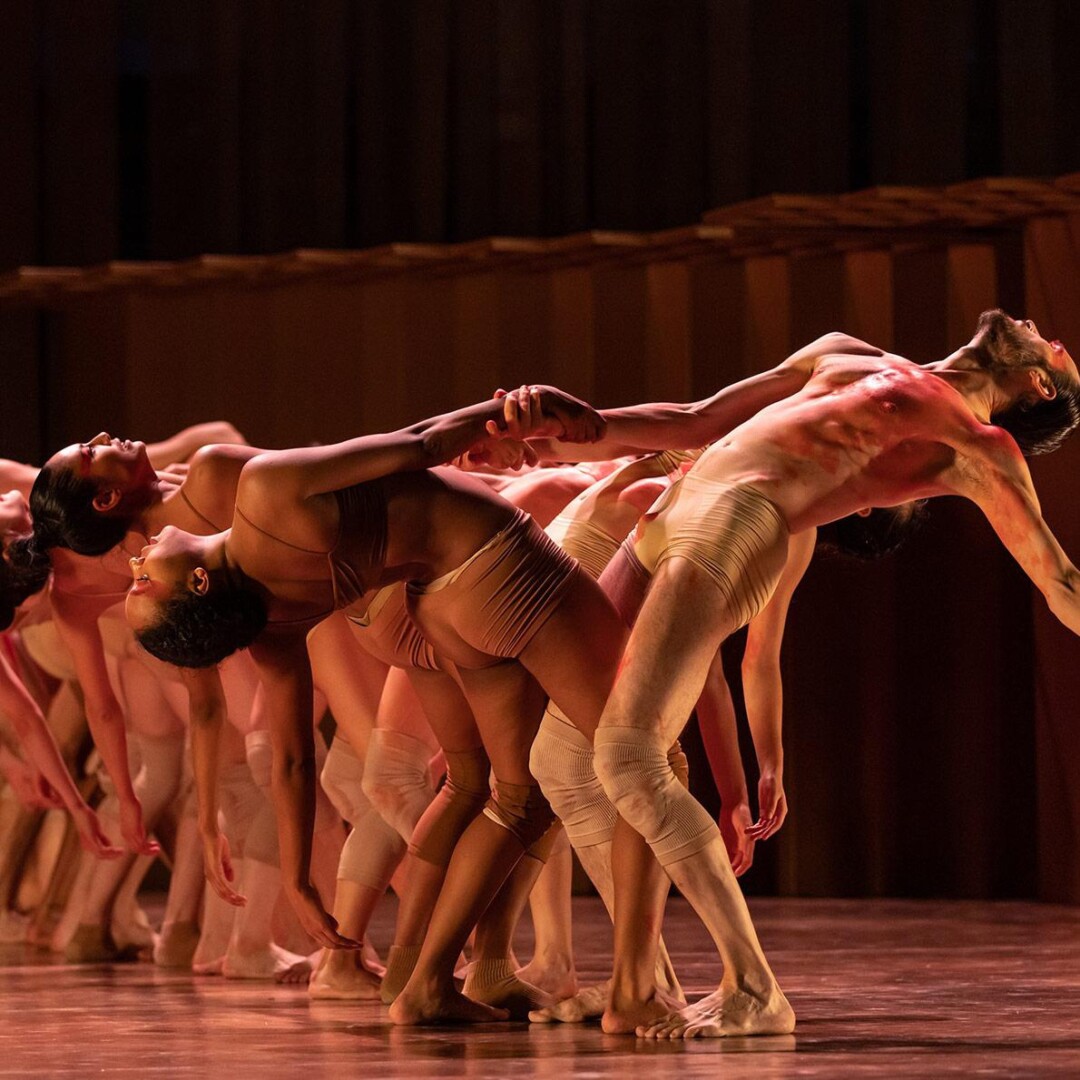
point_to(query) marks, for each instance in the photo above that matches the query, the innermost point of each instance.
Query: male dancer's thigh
(576, 653)
(682, 623)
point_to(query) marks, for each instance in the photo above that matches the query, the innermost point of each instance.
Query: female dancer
(273, 587)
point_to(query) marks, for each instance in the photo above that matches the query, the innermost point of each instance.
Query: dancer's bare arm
(720, 736)
(668, 425)
(315, 470)
(763, 687)
(30, 787)
(991, 472)
(76, 619)
(285, 672)
(183, 444)
(37, 740)
(208, 711)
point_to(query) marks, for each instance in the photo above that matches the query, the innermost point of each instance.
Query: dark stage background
(933, 738)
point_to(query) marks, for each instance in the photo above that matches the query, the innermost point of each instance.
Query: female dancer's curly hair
(200, 631)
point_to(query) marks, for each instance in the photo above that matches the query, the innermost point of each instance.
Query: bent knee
(630, 766)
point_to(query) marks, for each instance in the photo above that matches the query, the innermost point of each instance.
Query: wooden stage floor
(897, 989)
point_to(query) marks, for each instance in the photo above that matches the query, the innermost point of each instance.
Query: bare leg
(441, 826)
(552, 964)
(156, 785)
(250, 954)
(346, 974)
(492, 976)
(217, 929)
(179, 937)
(576, 656)
(353, 683)
(679, 629)
(507, 705)
(398, 787)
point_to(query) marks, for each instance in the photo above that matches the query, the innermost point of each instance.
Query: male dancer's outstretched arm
(991, 472)
(669, 426)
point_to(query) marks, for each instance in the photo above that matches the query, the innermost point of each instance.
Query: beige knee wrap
(639, 779)
(260, 757)
(396, 779)
(459, 800)
(238, 798)
(523, 811)
(562, 762)
(373, 849)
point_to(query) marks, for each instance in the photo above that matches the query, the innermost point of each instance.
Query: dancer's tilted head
(22, 571)
(1039, 375)
(186, 605)
(86, 495)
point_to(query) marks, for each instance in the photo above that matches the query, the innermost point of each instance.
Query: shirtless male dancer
(850, 426)
(592, 529)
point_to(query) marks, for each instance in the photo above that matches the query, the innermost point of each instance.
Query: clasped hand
(539, 412)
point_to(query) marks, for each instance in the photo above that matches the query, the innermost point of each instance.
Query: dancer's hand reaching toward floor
(538, 412)
(133, 830)
(92, 837)
(217, 863)
(735, 824)
(317, 921)
(772, 806)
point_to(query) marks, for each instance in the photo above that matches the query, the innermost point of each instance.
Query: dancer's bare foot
(300, 973)
(267, 962)
(344, 975)
(93, 944)
(431, 1003)
(176, 944)
(495, 983)
(588, 1003)
(400, 962)
(725, 1012)
(131, 929)
(554, 975)
(625, 1015)
(217, 930)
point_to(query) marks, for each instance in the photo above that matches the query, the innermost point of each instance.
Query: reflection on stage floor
(899, 989)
